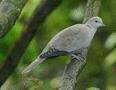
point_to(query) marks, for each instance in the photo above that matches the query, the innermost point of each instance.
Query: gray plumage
(69, 41)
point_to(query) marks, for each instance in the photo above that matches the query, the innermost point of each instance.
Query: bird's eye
(96, 21)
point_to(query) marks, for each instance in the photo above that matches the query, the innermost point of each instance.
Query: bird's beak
(102, 26)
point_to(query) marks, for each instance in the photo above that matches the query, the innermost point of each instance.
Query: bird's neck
(90, 26)
(91, 30)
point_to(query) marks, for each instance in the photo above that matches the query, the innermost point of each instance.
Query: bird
(69, 41)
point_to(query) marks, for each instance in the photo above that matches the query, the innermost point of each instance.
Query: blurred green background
(100, 70)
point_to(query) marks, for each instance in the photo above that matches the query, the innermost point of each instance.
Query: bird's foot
(78, 57)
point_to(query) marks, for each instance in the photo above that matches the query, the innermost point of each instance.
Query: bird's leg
(75, 57)
(78, 57)
(80, 54)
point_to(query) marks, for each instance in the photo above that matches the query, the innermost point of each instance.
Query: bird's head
(95, 22)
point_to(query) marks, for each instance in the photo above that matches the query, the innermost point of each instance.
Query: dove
(68, 42)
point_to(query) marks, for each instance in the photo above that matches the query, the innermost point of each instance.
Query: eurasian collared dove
(68, 41)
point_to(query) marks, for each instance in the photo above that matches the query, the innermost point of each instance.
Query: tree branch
(74, 68)
(9, 12)
(40, 14)
(92, 9)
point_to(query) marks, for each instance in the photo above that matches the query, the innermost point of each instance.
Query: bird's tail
(33, 65)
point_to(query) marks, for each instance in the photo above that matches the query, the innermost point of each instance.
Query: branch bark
(74, 68)
(9, 12)
(40, 14)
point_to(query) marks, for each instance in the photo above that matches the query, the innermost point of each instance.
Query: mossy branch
(9, 12)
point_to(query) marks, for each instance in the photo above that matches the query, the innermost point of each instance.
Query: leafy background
(100, 71)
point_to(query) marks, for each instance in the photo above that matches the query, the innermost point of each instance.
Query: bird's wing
(71, 38)
(68, 40)
(52, 52)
